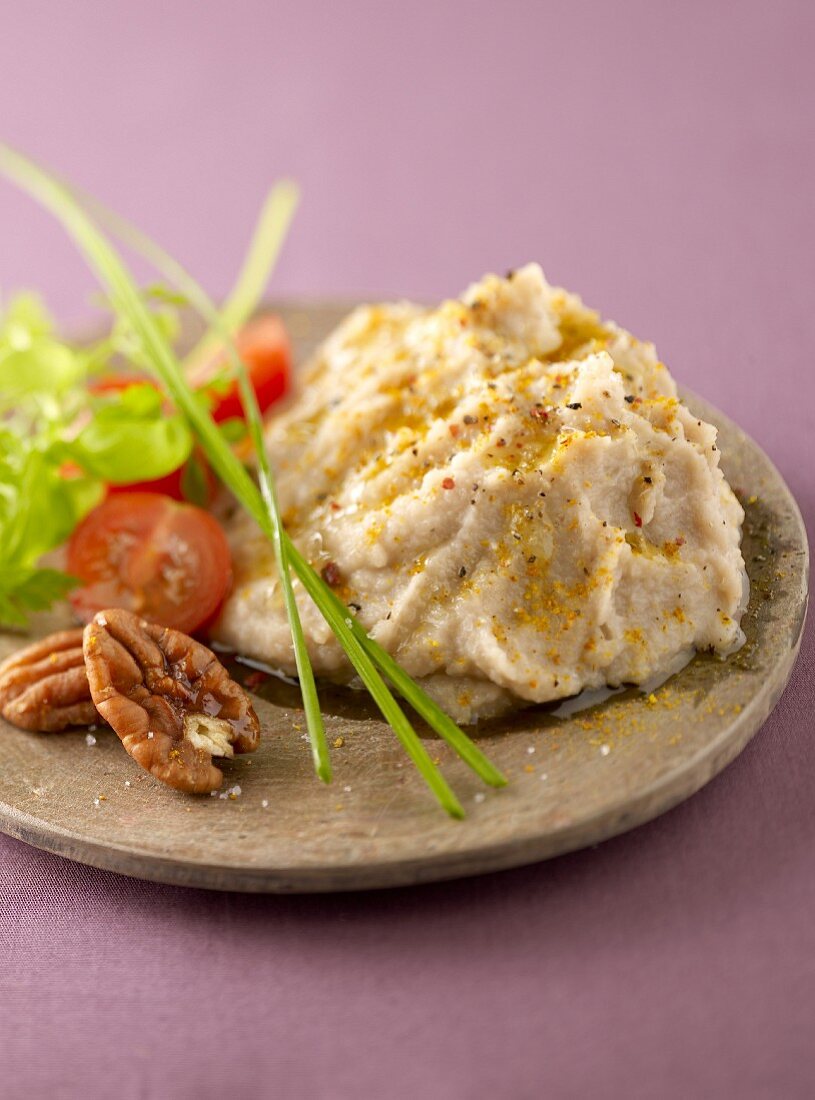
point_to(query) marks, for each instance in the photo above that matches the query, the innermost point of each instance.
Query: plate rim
(416, 871)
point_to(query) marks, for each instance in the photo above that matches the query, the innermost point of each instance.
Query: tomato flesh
(146, 553)
(171, 485)
(263, 345)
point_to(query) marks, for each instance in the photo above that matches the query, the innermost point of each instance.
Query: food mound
(507, 493)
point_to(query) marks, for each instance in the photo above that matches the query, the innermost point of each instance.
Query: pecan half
(170, 700)
(45, 686)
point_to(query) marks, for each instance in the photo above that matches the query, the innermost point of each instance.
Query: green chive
(361, 650)
(340, 620)
(277, 215)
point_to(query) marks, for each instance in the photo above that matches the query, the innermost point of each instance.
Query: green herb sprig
(59, 445)
(277, 213)
(362, 651)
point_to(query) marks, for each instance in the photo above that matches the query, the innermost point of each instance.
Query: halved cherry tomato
(263, 345)
(146, 553)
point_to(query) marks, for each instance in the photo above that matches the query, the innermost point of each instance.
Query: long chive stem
(408, 688)
(362, 651)
(339, 620)
(277, 214)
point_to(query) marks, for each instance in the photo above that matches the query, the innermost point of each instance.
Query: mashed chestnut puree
(509, 495)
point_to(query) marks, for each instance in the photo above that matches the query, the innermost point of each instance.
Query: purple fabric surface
(659, 158)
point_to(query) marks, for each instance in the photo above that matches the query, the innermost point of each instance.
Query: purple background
(659, 158)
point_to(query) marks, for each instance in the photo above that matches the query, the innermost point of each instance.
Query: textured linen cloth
(659, 158)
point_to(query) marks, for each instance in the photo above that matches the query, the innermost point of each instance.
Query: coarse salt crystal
(605, 750)
(531, 749)
(150, 735)
(346, 789)
(90, 740)
(265, 803)
(127, 782)
(479, 797)
(96, 802)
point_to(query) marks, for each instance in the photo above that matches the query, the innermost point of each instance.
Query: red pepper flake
(539, 414)
(454, 430)
(448, 483)
(680, 541)
(331, 574)
(334, 506)
(255, 680)
(637, 520)
(501, 443)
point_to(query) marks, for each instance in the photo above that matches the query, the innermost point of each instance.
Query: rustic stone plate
(574, 781)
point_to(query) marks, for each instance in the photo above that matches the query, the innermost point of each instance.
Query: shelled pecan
(45, 686)
(170, 700)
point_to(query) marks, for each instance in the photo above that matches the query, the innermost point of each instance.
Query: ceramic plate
(574, 781)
